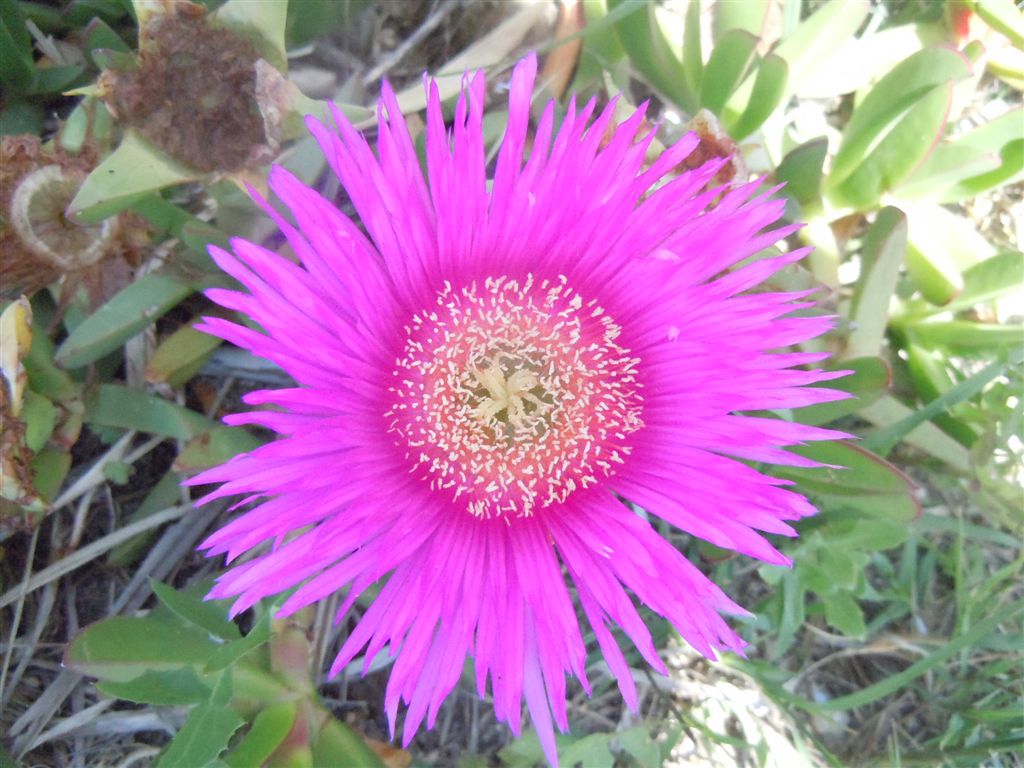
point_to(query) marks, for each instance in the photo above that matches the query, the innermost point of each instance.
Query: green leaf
(213, 447)
(122, 648)
(40, 417)
(800, 170)
(749, 17)
(1010, 170)
(268, 730)
(128, 312)
(49, 468)
(724, 71)
(48, 80)
(337, 744)
(693, 57)
(965, 337)
(813, 42)
(907, 143)
(591, 751)
(869, 380)
(843, 613)
(231, 652)
(180, 356)
(134, 169)
(209, 616)
(112, 405)
(649, 49)
(769, 88)
(167, 688)
(204, 736)
(885, 243)
(858, 479)
(262, 23)
(638, 744)
(910, 82)
(16, 64)
(886, 438)
(990, 280)
(1004, 17)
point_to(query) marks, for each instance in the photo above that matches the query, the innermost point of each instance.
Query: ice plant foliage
(487, 373)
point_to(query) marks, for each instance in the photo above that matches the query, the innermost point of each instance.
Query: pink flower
(487, 376)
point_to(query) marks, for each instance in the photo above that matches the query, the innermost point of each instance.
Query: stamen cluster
(513, 394)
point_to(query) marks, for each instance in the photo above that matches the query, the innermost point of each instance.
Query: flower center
(512, 394)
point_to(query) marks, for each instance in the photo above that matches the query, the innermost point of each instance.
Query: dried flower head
(492, 378)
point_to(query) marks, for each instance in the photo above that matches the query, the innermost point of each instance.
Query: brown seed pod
(195, 93)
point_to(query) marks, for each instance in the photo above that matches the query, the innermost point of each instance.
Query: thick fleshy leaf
(112, 405)
(214, 446)
(858, 479)
(724, 71)
(180, 356)
(642, 35)
(884, 246)
(133, 170)
(800, 170)
(263, 23)
(869, 380)
(898, 92)
(769, 88)
(124, 315)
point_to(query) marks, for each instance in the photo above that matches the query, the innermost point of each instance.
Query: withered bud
(196, 93)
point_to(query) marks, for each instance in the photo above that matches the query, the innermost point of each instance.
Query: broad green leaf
(856, 532)
(649, 49)
(725, 69)
(265, 735)
(209, 616)
(180, 356)
(134, 169)
(800, 170)
(262, 23)
(1004, 17)
(869, 380)
(769, 88)
(166, 688)
(112, 405)
(885, 243)
(896, 154)
(122, 648)
(899, 422)
(50, 80)
(99, 37)
(203, 738)
(906, 85)
(215, 446)
(750, 17)
(49, 468)
(843, 613)
(858, 479)
(124, 315)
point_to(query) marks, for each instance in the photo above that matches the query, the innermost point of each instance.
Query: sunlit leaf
(884, 246)
(800, 170)
(180, 356)
(869, 380)
(769, 88)
(214, 446)
(725, 69)
(267, 732)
